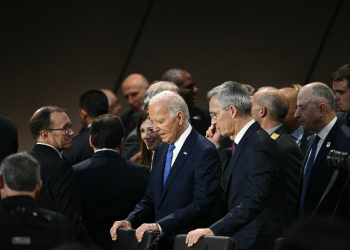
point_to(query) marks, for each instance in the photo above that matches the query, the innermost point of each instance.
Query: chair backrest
(206, 242)
(127, 240)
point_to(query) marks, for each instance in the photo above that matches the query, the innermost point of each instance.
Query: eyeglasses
(65, 129)
(215, 115)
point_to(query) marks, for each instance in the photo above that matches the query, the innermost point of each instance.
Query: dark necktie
(308, 170)
(169, 156)
(234, 145)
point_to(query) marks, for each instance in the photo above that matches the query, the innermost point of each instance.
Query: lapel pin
(328, 144)
(185, 153)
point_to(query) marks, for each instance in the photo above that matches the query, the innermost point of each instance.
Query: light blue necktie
(308, 169)
(169, 156)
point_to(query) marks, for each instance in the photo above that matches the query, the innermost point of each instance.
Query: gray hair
(175, 103)
(250, 89)
(322, 93)
(277, 105)
(20, 172)
(232, 93)
(156, 88)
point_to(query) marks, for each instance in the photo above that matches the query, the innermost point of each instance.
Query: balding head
(157, 88)
(270, 106)
(114, 106)
(185, 82)
(290, 122)
(316, 106)
(134, 87)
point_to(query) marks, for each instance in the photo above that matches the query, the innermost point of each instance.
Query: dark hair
(94, 102)
(174, 75)
(41, 119)
(20, 172)
(143, 157)
(342, 72)
(107, 131)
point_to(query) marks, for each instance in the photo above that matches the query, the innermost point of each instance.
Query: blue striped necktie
(169, 156)
(308, 170)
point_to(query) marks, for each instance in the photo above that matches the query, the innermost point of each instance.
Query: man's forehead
(59, 117)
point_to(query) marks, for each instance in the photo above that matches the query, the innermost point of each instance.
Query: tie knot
(171, 147)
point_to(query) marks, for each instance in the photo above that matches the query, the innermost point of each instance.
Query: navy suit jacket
(190, 193)
(60, 191)
(343, 118)
(80, 150)
(110, 187)
(255, 192)
(338, 138)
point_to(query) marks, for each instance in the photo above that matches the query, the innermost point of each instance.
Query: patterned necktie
(234, 145)
(169, 156)
(308, 169)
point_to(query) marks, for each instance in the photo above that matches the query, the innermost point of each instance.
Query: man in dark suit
(292, 124)
(51, 128)
(316, 112)
(199, 117)
(110, 186)
(255, 177)
(133, 88)
(270, 106)
(92, 104)
(184, 183)
(341, 88)
(8, 134)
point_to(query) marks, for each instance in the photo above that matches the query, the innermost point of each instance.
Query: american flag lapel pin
(185, 153)
(328, 144)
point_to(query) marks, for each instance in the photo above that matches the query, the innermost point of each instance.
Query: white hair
(174, 101)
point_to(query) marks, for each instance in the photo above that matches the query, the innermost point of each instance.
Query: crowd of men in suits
(249, 167)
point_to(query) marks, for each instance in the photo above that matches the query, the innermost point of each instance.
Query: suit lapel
(184, 153)
(160, 162)
(323, 152)
(235, 157)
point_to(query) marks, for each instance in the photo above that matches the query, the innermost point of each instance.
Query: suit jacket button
(159, 211)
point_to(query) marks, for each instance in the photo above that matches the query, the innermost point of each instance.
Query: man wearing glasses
(52, 129)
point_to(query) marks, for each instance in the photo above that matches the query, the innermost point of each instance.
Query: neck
(266, 124)
(240, 123)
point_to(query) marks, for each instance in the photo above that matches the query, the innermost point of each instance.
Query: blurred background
(53, 51)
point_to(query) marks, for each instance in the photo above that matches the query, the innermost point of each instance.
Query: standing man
(51, 128)
(255, 178)
(292, 124)
(133, 87)
(20, 183)
(8, 134)
(110, 186)
(184, 183)
(316, 112)
(270, 106)
(91, 104)
(341, 88)
(199, 117)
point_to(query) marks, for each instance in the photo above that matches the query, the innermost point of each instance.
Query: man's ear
(83, 114)
(263, 112)
(91, 145)
(120, 146)
(44, 135)
(38, 188)
(233, 111)
(180, 117)
(322, 108)
(2, 183)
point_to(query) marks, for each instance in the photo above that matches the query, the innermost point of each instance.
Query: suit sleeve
(258, 171)
(66, 194)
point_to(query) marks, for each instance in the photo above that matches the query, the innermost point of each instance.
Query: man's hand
(214, 135)
(118, 224)
(146, 227)
(194, 236)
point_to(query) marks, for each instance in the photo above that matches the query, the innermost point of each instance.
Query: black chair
(127, 240)
(279, 245)
(206, 242)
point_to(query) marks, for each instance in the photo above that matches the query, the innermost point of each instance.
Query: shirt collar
(271, 130)
(181, 140)
(105, 149)
(298, 133)
(242, 132)
(324, 132)
(51, 147)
